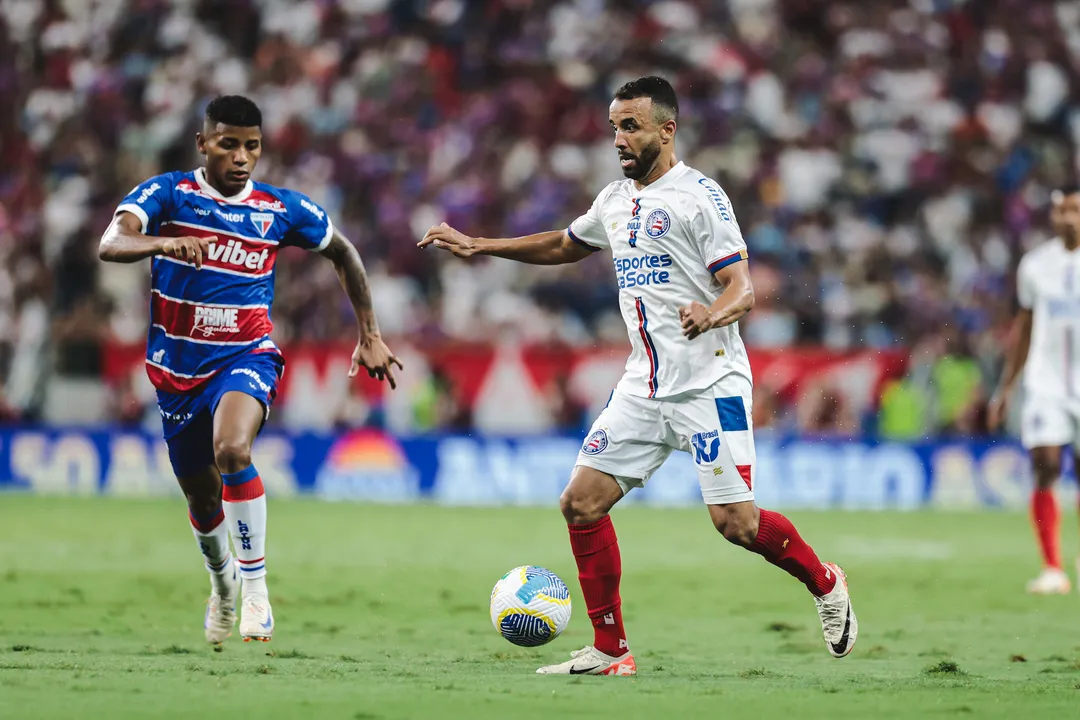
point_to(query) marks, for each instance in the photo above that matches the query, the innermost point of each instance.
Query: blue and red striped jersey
(200, 320)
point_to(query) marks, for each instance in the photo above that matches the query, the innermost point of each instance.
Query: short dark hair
(657, 89)
(235, 110)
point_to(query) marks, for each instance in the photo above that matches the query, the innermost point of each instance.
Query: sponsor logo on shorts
(254, 376)
(175, 417)
(706, 446)
(596, 443)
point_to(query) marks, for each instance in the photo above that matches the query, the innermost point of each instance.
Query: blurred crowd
(888, 160)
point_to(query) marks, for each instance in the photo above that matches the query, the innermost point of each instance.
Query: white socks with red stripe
(213, 537)
(245, 512)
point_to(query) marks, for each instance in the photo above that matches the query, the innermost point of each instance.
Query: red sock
(780, 543)
(1045, 518)
(596, 550)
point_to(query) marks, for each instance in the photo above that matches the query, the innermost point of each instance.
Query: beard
(643, 162)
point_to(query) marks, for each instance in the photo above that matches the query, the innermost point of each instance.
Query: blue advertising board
(370, 465)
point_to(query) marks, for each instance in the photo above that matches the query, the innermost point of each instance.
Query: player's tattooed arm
(555, 247)
(371, 352)
(736, 300)
(1015, 359)
(124, 242)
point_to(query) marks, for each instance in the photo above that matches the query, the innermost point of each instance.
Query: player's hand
(447, 238)
(188, 249)
(696, 319)
(997, 410)
(373, 355)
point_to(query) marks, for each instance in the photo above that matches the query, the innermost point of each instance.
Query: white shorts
(634, 436)
(1047, 421)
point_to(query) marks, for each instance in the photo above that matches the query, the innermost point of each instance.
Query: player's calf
(779, 542)
(585, 504)
(236, 424)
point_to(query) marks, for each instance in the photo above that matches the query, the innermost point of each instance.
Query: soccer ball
(530, 606)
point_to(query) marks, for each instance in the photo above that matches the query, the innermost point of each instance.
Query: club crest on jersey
(596, 443)
(657, 223)
(262, 222)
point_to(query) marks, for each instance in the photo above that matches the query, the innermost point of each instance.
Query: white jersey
(667, 239)
(1048, 284)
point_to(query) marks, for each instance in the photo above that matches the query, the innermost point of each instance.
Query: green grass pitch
(382, 613)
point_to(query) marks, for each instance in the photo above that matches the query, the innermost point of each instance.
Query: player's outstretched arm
(371, 352)
(736, 300)
(1015, 358)
(555, 247)
(124, 242)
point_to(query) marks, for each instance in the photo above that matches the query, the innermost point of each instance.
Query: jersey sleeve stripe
(723, 262)
(579, 241)
(326, 238)
(137, 212)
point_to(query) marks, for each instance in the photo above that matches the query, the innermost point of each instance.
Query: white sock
(244, 502)
(213, 538)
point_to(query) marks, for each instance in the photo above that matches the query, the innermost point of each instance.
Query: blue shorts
(188, 420)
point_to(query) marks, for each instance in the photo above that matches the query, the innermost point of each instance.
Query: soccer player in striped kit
(213, 235)
(681, 266)
(1045, 350)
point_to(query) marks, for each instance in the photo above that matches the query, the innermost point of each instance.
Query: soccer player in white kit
(680, 262)
(1046, 350)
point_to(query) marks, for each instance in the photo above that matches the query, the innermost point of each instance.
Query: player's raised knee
(738, 522)
(589, 496)
(232, 454)
(580, 506)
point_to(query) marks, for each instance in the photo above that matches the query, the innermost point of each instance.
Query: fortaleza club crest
(262, 222)
(596, 443)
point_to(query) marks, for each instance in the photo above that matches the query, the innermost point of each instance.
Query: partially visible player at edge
(679, 259)
(213, 236)
(1045, 349)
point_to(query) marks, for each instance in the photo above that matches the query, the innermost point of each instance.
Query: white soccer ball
(530, 606)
